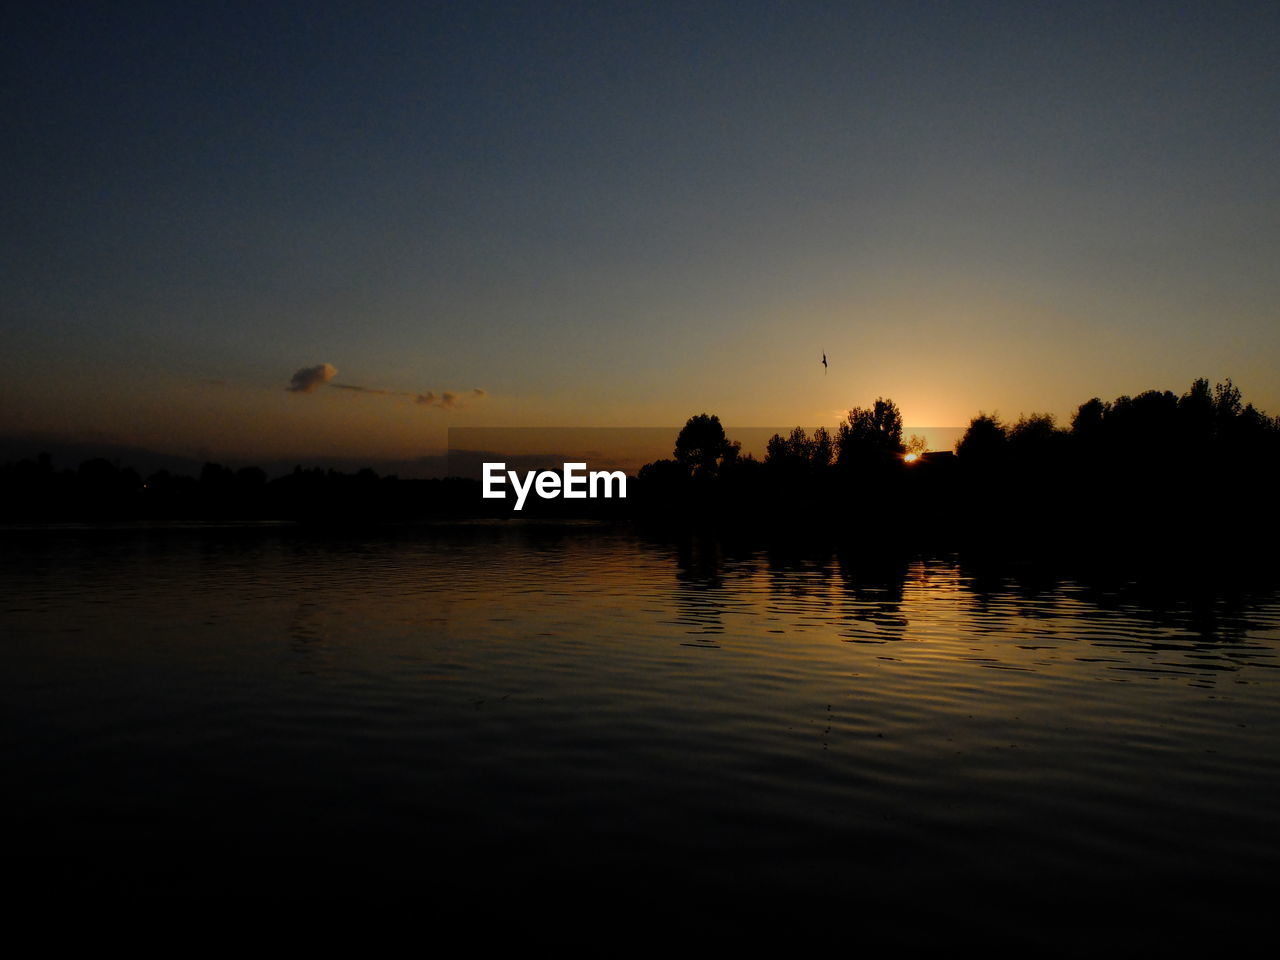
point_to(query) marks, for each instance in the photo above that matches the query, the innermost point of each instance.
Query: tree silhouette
(984, 441)
(702, 446)
(799, 452)
(1086, 424)
(870, 435)
(1036, 436)
(1156, 469)
(1196, 412)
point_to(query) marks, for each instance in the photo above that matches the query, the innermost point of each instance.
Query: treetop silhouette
(702, 447)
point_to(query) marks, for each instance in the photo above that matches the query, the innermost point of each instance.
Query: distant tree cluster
(709, 477)
(867, 438)
(1149, 466)
(33, 490)
(800, 455)
(705, 468)
(1154, 467)
(1202, 424)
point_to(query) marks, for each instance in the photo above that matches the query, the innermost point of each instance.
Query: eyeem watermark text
(573, 482)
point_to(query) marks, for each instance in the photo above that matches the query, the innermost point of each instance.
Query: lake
(576, 714)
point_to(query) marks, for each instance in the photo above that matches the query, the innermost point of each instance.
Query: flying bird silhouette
(824, 361)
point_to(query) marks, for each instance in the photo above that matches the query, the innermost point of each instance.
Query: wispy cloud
(308, 379)
(352, 386)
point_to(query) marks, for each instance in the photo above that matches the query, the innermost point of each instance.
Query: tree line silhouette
(1152, 468)
(35, 491)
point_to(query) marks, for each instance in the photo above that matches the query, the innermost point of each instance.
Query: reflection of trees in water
(1194, 623)
(700, 561)
(802, 576)
(847, 589)
(699, 595)
(996, 590)
(1212, 610)
(877, 596)
(872, 588)
(800, 587)
(1197, 617)
(859, 592)
(1198, 600)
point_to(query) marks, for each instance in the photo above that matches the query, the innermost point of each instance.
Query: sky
(605, 214)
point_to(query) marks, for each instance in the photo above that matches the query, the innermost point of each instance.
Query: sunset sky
(607, 214)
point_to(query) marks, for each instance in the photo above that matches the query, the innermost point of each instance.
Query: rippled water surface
(572, 711)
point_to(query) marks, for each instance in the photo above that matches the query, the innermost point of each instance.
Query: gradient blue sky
(624, 214)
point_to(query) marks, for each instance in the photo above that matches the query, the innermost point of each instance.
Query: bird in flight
(824, 361)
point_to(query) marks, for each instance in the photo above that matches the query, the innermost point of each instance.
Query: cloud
(308, 378)
(449, 400)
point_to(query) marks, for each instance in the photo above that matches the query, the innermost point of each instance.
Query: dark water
(576, 716)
